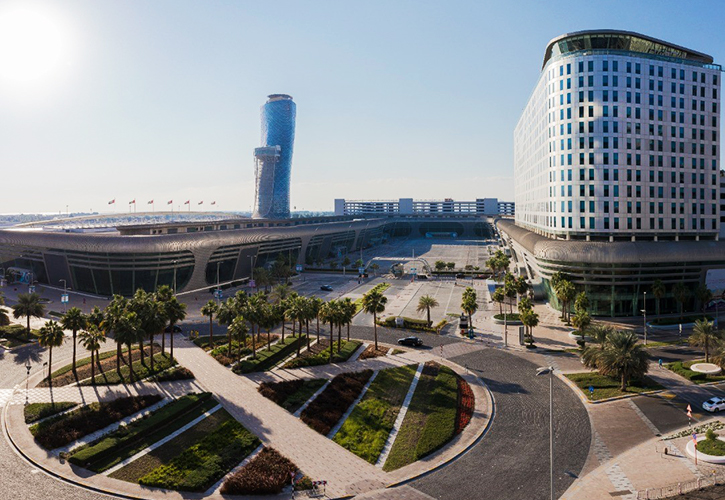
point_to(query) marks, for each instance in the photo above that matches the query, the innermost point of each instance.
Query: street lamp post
(644, 315)
(550, 371)
(28, 366)
(175, 276)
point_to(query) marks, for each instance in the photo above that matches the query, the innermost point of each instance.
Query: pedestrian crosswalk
(5, 395)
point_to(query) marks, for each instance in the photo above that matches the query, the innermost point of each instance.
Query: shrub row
(266, 474)
(109, 450)
(346, 350)
(325, 411)
(679, 368)
(39, 411)
(280, 391)
(466, 404)
(201, 465)
(409, 323)
(267, 358)
(18, 332)
(69, 427)
(176, 373)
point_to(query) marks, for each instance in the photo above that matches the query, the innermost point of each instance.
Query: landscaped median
(39, 411)
(221, 352)
(267, 358)
(682, 368)
(316, 357)
(327, 409)
(291, 394)
(608, 387)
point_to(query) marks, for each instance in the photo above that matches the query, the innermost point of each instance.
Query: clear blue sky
(160, 99)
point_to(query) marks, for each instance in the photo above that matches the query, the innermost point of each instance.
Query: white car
(714, 405)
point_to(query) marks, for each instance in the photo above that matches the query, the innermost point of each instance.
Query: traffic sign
(298, 267)
(591, 389)
(252, 283)
(360, 270)
(31, 289)
(64, 298)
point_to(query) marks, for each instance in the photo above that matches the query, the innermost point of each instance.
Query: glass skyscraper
(273, 161)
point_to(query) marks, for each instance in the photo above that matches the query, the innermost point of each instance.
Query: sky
(140, 100)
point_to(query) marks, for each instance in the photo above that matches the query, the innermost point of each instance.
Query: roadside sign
(252, 284)
(218, 293)
(64, 298)
(360, 270)
(298, 267)
(591, 390)
(31, 289)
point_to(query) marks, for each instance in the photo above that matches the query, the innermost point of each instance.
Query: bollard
(679, 488)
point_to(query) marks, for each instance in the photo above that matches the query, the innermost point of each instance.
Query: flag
(112, 201)
(151, 202)
(213, 202)
(132, 202)
(187, 202)
(200, 202)
(169, 202)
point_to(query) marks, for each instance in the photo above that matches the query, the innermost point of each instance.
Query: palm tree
(509, 289)
(581, 321)
(267, 320)
(499, 297)
(659, 291)
(469, 303)
(74, 320)
(153, 323)
(4, 318)
(581, 303)
(114, 311)
(28, 306)
(95, 317)
(681, 293)
(210, 309)
(623, 358)
(280, 292)
(327, 313)
(91, 339)
(174, 311)
(590, 354)
(530, 320)
(50, 335)
(705, 335)
(315, 304)
(704, 295)
(126, 331)
(373, 303)
(163, 294)
(565, 292)
(349, 309)
(425, 303)
(239, 329)
(225, 315)
(140, 303)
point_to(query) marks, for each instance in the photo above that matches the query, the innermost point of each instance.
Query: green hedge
(267, 358)
(323, 358)
(18, 332)
(39, 411)
(200, 466)
(129, 440)
(508, 316)
(682, 368)
(140, 371)
(409, 323)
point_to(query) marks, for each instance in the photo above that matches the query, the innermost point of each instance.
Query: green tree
(525, 304)
(238, 329)
(346, 261)
(530, 320)
(262, 278)
(28, 306)
(425, 303)
(581, 320)
(439, 265)
(681, 294)
(74, 320)
(114, 311)
(705, 335)
(349, 309)
(174, 312)
(226, 314)
(280, 292)
(450, 265)
(565, 292)
(91, 339)
(500, 297)
(328, 314)
(127, 331)
(659, 291)
(581, 303)
(704, 295)
(209, 310)
(374, 303)
(509, 289)
(50, 335)
(623, 358)
(315, 305)
(153, 322)
(590, 354)
(469, 303)
(359, 263)
(95, 317)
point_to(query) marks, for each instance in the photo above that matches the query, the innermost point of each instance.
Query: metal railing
(673, 490)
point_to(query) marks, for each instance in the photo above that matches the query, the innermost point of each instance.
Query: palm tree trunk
(130, 364)
(141, 353)
(318, 328)
(348, 332)
(211, 332)
(118, 358)
(28, 326)
(307, 332)
(269, 339)
(151, 343)
(93, 367)
(375, 329)
(254, 344)
(50, 363)
(171, 341)
(332, 339)
(428, 311)
(282, 329)
(339, 337)
(163, 342)
(74, 352)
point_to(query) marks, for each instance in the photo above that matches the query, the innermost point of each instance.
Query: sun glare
(32, 46)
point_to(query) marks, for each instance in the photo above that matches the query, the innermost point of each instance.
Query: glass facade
(274, 159)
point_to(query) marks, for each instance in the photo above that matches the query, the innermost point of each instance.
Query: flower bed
(431, 418)
(346, 350)
(69, 427)
(203, 464)
(466, 404)
(291, 394)
(367, 428)
(325, 411)
(38, 411)
(129, 440)
(266, 474)
(370, 352)
(267, 358)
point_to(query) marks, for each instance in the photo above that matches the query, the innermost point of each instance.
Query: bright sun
(32, 46)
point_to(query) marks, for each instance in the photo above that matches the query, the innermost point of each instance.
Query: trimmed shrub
(327, 409)
(266, 474)
(39, 411)
(267, 358)
(177, 373)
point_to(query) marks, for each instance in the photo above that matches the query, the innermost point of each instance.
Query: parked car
(411, 341)
(714, 405)
(176, 329)
(422, 276)
(326, 288)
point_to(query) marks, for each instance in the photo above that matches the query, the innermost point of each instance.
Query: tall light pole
(644, 316)
(28, 366)
(544, 370)
(175, 276)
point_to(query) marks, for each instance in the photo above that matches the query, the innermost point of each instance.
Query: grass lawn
(129, 440)
(713, 447)
(323, 357)
(201, 465)
(267, 358)
(431, 418)
(15, 335)
(607, 387)
(39, 411)
(651, 344)
(140, 371)
(682, 368)
(367, 428)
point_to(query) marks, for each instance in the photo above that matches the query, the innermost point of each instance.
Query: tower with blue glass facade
(273, 160)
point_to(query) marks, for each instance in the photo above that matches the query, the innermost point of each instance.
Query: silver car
(714, 405)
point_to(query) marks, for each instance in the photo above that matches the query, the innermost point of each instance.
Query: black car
(411, 341)
(177, 329)
(326, 288)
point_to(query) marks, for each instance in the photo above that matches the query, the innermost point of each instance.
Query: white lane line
(399, 420)
(352, 406)
(161, 442)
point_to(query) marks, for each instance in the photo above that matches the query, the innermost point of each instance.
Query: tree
(359, 263)
(565, 292)
(28, 306)
(581, 303)
(114, 311)
(50, 335)
(127, 331)
(705, 335)
(225, 315)
(4, 318)
(315, 304)
(209, 310)
(374, 266)
(95, 317)
(681, 293)
(153, 322)
(450, 265)
(267, 320)
(280, 292)
(239, 329)
(174, 312)
(530, 320)
(509, 289)
(439, 265)
(374, 303)
(581, 321)
(469, 303)
(140, 303)
(525, 304)
(349, 309)
(623, 358)
(500, 297)
(704, 295)
(659, 291)
(91, 339)
(557, 278)
(425, 303)
(262, 277)
(598, 333)
(346, 261)
(163, 294)
(327, 314)
(74, 320)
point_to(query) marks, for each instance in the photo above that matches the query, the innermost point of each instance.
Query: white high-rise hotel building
(620, 141)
